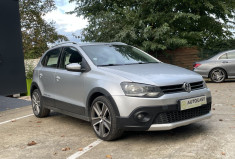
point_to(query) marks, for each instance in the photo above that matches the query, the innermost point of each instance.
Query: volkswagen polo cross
(117, 88)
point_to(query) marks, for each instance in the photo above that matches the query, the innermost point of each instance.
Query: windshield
(111, 55)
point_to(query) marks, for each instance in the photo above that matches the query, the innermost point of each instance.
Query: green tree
(36, 32)
(157, 25)
(216, 46)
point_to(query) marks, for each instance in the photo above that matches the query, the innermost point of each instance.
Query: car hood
(160, 74)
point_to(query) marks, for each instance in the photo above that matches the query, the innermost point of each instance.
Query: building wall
(183, 57)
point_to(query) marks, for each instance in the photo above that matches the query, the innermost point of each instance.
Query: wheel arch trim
(99, 90)
(33, 86)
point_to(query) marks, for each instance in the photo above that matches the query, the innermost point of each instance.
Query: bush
(29, 67)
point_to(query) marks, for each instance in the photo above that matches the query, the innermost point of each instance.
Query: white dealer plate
(192, 102)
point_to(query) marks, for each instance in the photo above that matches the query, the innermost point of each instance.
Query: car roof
(87, 43)
(221, 53)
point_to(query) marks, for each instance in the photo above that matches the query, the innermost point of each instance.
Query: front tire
(103, 119)
(217, 75)
(37, 105)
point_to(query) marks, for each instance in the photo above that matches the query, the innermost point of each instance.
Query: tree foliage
(156, 25)
(215, 47)
(36, 32)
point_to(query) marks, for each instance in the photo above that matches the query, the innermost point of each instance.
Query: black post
(12, 71)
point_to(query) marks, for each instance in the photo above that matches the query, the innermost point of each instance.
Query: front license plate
(192, 102)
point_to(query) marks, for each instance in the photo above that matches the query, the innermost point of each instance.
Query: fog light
(142, 117)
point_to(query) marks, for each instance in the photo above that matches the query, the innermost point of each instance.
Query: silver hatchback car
(217, 68)
(117, 88)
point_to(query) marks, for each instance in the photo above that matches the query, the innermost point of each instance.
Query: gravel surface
(60, 136)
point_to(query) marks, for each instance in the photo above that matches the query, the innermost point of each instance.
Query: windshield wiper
(135, 63)
(126, 64)
(140, 63)
(151, 62)
(110, 65)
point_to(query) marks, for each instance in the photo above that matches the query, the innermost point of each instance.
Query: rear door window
(224, 56)
(51, 58)
(231, 55)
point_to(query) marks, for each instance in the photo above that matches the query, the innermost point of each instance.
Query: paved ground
(209, 139)
(11, 103)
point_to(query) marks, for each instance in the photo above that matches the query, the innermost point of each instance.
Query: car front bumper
(126, 105)
(164, 117)
(169, 126)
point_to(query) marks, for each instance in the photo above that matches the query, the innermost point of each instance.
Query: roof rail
(118, 43)
(66, 42)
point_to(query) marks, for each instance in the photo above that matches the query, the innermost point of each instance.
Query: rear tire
(217, 75)
(38, 109)
(103, 119)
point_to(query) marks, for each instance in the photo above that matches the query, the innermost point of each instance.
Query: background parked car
(218, 68)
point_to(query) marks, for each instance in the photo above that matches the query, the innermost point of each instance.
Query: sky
(66, 24)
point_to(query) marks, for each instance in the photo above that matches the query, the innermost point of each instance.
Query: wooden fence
(183, 57)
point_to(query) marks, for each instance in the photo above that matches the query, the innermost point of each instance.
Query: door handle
(57, 78)
(225, 62)
(40, 75)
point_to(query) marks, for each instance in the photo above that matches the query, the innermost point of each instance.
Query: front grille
(174, 116)
(179, 87)
(196, 85)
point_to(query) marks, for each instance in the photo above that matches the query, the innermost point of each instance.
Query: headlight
(140, 90)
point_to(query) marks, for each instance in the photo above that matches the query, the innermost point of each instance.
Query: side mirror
(74, 67)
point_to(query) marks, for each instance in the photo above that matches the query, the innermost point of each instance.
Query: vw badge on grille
(186, 87)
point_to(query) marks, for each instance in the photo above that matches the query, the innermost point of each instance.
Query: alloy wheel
(36, 103)
(101, 119)
(218, 75)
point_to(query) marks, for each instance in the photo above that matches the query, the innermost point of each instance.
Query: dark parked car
(218, 68)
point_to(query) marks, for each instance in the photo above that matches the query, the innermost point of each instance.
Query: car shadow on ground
(68, 119)
(53, 113)
(177, 133)
(226, 81)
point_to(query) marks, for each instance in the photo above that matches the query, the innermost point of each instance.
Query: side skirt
(68, 113)
(65, 108)
(231, 76)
